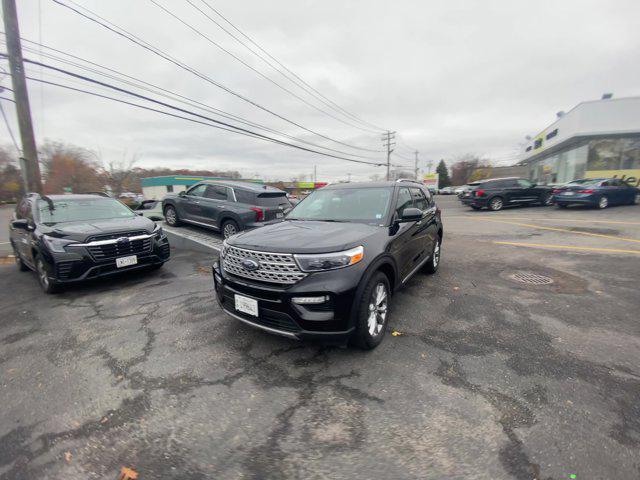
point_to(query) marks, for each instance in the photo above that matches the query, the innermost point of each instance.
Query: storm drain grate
(531, 278)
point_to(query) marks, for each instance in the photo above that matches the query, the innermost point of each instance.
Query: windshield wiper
(330, 220)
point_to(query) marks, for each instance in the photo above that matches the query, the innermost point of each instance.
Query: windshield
(366, 205)
(98, 208)
(586, 181)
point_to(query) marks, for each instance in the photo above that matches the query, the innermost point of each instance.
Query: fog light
(310, 300)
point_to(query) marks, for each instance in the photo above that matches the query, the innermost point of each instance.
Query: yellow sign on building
(431, 179)
(631, 177)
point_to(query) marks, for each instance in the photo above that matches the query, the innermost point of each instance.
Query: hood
(82, 230)
(292, 236)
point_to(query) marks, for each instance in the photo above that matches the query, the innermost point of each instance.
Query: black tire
(433, 263)
(496, 204)
(21, 265)
(603, 202)
(171, 216)
(474, 207)
(46, 283)
(369, 336)
(228, 228)
(546, 199)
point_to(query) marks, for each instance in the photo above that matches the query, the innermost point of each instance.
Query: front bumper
(79, 264)
(331, 322)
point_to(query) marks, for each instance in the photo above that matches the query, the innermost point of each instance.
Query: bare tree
(118, 173)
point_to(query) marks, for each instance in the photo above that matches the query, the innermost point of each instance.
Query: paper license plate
(246, 305)
(126, 261)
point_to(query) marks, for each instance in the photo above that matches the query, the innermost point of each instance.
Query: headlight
(157, 231)
(225, 247)
(329, 261)
(57, 244)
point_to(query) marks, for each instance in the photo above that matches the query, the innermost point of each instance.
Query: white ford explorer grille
(271, 267)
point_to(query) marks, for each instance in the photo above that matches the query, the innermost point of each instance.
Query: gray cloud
(451, 76)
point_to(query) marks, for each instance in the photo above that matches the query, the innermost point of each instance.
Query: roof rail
(102, 194)
(410, 180)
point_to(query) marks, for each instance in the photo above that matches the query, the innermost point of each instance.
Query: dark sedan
(596, 192)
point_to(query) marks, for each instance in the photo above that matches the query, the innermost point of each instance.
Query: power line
(293, 77)
(147, 46)
(218, 124)
(174, 96)
(258, 72)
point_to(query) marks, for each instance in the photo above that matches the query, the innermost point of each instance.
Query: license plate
(279, 215)
(246, 305)
(126, 261)
(568, 193)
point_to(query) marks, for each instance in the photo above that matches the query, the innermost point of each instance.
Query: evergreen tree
(443, 172)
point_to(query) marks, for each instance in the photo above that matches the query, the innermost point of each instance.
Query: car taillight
(480, 193)
(259, 213)
(585, 191)
(556, 190)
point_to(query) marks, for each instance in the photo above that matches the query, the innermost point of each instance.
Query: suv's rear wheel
(496, 203)
(48, 286)
(229, 227)
(171, 216)
(373, 312)
(603, 202)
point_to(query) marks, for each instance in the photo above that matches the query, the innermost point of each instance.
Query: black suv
(69, 238)
(497, 193)
(226, 206)
(329, 269)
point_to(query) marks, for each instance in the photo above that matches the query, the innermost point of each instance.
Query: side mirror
(22, 224)
(182, 193)
(411, 215)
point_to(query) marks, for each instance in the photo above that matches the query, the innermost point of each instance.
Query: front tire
(433, 263)
(47, 285)
(229, 227)
(496, 204)
(603, 202)
(372, 314)
(171, 216)
(475, 207)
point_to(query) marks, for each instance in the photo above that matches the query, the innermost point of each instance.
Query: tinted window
(273, 200)
(216, 192)
(367, 205)
(197, 191)
(404, 201)
(78, 210)
(242, 196)
(419, 200)
(524, 183)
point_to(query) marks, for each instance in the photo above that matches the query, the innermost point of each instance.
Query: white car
(151, 209)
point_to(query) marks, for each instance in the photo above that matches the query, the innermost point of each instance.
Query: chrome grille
(117, 249)
(274, 267)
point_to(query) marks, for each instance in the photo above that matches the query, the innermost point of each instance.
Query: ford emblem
(250, 264)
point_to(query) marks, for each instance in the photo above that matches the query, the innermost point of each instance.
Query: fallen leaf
(127, 473)
(456, 288)
(67, 457)
(396, 333)
(104, 420)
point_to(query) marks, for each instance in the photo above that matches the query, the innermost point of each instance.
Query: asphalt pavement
(487, 378)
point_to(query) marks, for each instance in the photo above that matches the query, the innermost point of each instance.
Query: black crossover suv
(329, 269)
(226, 206)
(69, 238)
(497, 193)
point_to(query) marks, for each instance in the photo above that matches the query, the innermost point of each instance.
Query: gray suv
(227, 207)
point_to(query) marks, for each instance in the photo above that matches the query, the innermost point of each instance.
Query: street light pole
(30, 166)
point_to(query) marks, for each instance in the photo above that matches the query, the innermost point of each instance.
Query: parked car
(596, 192)
(329, 270)
(497, 193)
(226, 206)
(151, 209)
(71, 238)
(447, 191)
(460, 190)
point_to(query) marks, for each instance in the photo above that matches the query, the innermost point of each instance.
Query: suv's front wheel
(373, 312)
(48, 285)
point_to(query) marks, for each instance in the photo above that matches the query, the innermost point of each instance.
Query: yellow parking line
(559, 220)
(568, 247)
(554, 229)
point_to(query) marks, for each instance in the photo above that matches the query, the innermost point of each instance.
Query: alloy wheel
(229, 229)
(42, 273)
(436, 255)
(636, 201)
(603, 202)
(378, 304)
(496, 204)
(170, 216)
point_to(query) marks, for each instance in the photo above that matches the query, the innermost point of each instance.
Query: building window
(169, 188)
(537, 143)
(552, 134)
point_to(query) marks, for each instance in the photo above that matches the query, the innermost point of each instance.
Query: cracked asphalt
(490, 379)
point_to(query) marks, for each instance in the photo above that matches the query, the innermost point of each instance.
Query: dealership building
(595, 139)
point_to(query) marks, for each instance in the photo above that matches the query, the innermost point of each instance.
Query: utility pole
(315, 173)
(416, 154)
(30, 166)
(388, 142)
(429, 165)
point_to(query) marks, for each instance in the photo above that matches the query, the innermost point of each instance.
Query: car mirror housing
(411, 215)
(22, 224)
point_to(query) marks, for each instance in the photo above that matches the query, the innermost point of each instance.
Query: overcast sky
(451, 77)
